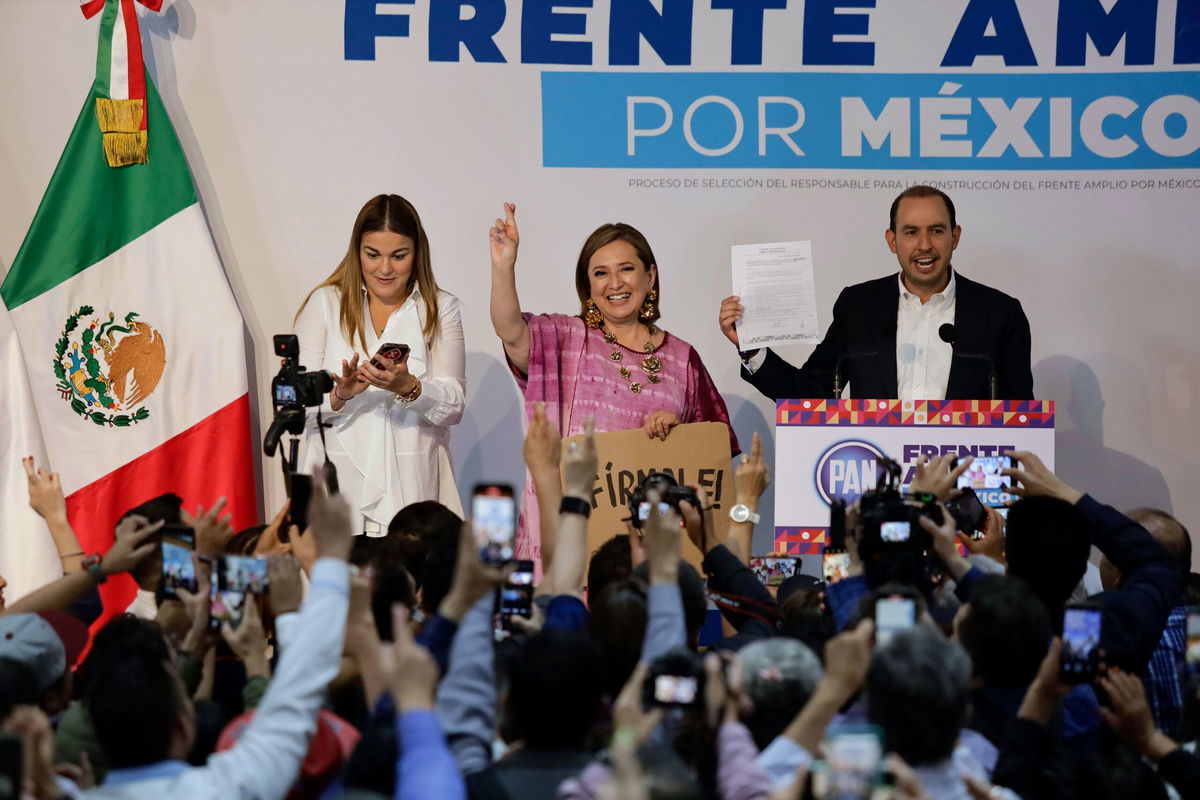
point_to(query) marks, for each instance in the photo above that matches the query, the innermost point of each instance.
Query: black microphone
(837, 368)
(948, 334)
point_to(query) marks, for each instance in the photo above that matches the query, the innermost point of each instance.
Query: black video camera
(669, 491)
(893, 546)
(294, 387)
(292, 390)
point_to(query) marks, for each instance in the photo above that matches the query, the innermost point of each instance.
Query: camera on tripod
(294, 387)
(293, 390)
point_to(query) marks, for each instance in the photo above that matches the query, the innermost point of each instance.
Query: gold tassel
(123, 149)
(120, 124)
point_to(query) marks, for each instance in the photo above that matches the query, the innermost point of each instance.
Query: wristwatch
(92, 565)
(742, 513)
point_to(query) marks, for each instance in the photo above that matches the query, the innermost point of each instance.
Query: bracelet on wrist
(623, 736)
(412, 395)
(575, 505)
(339, 397)
(70, 555)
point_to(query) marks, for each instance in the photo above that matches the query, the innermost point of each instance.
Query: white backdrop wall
(287, 137)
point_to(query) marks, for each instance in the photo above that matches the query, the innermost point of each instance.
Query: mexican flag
(28, 557)
(132, 342)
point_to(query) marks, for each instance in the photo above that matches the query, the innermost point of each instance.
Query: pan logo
(847, 470)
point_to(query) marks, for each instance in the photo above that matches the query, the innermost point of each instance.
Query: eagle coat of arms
(110, 367)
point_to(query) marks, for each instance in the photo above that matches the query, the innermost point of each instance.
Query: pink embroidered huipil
(570, 370)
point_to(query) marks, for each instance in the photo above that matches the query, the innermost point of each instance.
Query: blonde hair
(394, 214)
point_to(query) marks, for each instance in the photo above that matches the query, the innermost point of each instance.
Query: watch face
(739, 513)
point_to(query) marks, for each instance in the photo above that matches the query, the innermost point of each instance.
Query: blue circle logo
(847, 470)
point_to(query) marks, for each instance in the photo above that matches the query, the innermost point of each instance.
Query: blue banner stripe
(1081, 121)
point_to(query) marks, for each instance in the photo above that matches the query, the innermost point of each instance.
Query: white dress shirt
(922, 358)
(388, 453)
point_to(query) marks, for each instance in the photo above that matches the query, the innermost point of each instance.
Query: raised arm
(571, 555)
(46, 498)
(506, 305)
(134, 541)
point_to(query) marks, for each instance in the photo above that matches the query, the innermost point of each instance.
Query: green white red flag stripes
(121, 79)
(131, 339)
(28, 558)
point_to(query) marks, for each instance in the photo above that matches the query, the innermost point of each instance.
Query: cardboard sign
(696, 453)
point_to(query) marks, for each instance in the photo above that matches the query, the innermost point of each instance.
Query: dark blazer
(987, 321)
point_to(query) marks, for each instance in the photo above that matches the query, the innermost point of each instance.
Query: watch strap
(575, 505)
(92, 565)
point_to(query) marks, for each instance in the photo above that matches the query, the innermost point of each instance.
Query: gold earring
(591, 314)
(650, 306)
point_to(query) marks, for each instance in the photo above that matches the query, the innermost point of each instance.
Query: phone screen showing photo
(494, 517)
(854, 758)
(675, 690)
(895, 531)
(1192, 654)
(984, 473)
(516, 595)
(235, 578)
(1080, 643)
(835, 565)
(178, 571)
(892, 615)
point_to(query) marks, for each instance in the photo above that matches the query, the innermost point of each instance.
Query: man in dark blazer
(950, 327)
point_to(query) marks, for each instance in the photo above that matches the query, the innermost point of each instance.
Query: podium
(827, 449)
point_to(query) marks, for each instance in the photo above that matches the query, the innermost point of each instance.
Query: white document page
(775, 282)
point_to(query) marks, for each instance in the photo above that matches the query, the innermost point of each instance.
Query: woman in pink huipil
(610, 362)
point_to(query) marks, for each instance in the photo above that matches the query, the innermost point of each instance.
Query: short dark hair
(244, 541)
(605, 235)
(390, 584)
(1047, 544)
(133, 694)
(804, 617)
(921, 191)
(611, 562)
(1005, 631)
(165, 508)
(414, 534)
(426, 520)
(1169, 532)
(617, 622)
(918, 691)
(555, 687)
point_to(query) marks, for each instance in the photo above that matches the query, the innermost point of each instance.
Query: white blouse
(388, 453)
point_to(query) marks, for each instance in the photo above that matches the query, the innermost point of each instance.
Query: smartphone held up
(494, 520)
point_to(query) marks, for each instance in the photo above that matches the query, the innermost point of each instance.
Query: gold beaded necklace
(651, 365)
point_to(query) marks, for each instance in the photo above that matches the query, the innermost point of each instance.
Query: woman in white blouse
(390, 434)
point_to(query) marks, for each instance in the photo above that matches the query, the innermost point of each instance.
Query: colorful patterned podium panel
(827, 449)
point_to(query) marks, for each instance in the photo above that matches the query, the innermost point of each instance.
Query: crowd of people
(380, 649)
(378, 667)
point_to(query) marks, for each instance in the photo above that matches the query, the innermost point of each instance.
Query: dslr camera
(294, 387)
(292, 390)
(893, 546)
(670, 494)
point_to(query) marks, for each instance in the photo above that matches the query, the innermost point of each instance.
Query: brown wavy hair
(394, 214)
(606, 234)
